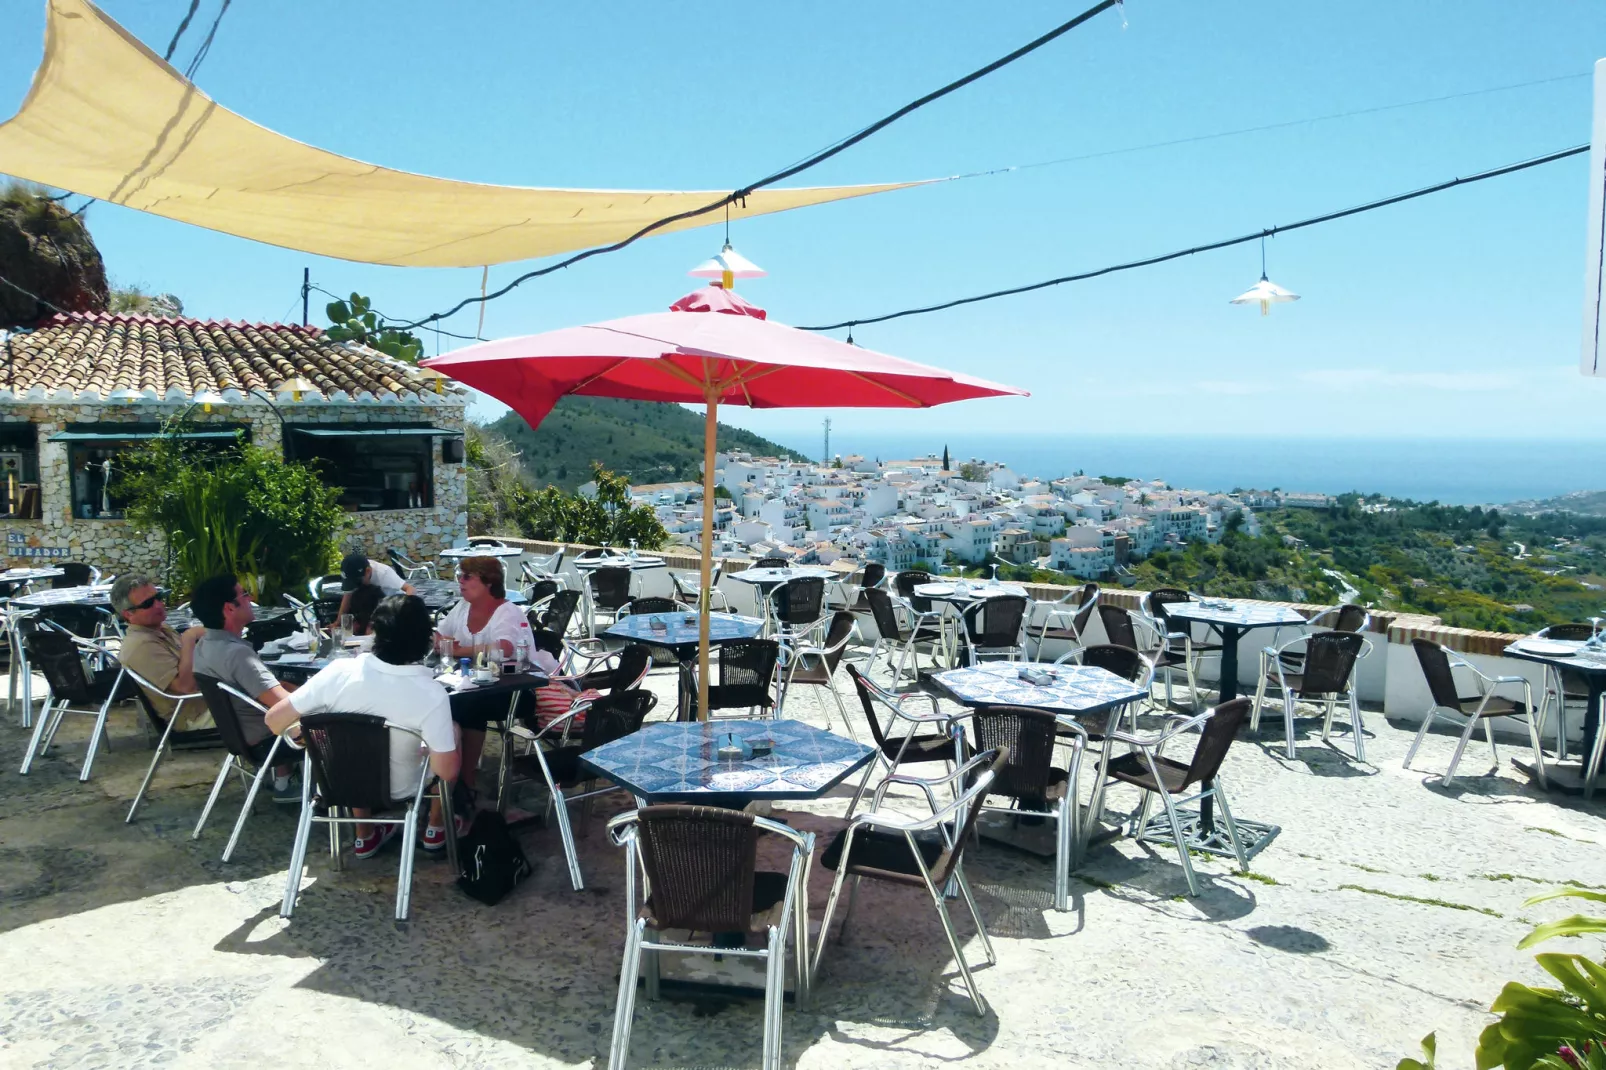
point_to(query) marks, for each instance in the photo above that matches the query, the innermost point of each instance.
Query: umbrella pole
(710, 437)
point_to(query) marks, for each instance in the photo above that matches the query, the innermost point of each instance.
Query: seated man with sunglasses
(157, 652)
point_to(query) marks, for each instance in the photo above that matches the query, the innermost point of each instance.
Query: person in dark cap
(356, 570)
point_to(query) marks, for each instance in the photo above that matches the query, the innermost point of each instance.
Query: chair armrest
(1187, 722)
(1508, 679)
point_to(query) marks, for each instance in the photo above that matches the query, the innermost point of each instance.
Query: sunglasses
(148, 603)
(470, 576)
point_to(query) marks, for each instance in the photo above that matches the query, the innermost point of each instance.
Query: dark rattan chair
(905, 583)
(1062, 623)
(700, 870)
(167, 736)
(660, 655)
(610, 592)
(556, 761)
(1026, 775)
(1438, 666)
(251, 761)
(539, 591)
(994, 628)
(262, 631)
(560, 612)
(1149, 770)
(346, 768)
(75, 574)
(74, 688)
(1324, 672)
(816, 665)
(409, 569)
(1121, 629)
(1194, 647)
(924, 737)
(746, 678)
(901, 643)
(1563, 686)
(629, 668)
(689, 587)
(772, 562)
(891, 846)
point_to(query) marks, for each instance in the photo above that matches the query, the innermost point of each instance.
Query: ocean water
(1452, 471)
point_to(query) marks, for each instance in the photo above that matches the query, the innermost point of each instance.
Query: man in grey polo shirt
(224, 609)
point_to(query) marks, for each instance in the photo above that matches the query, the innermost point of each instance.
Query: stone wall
(113, 546)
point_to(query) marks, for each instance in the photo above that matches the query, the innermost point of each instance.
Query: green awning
(361, 431)
(135, 436)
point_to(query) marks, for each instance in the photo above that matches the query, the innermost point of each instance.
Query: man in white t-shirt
(356, 569)
(390, 682)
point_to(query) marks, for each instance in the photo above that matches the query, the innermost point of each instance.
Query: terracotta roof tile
(103, 353)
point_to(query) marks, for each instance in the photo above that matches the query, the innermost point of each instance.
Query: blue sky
(1454, 315)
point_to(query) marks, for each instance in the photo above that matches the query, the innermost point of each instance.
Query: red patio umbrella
(731, 354)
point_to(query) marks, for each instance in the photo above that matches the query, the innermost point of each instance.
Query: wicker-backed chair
(995, 628)
(1026, 775)
(797, 610)
(346, 768)
(746, 678)
(559, 612)
(1149, 770)
(323, 586)
(661, 656)
(905, 583)
(1194, 647)
(252, 761)
(816, 665)
(612, 670)
(689, 587)
(556, 761)
(537, 592)
(168, 737)
(1121, 628)
(74, 688)
(489, 541)
(1063, 621)
(891, 846)
(542, 567)
(1348, 617)
(75, 574)
(900, 642)
(938, 742)
(1324, 672)
(699, 867)
(1564, 686)
(409, 569)
(84, 621)
(1438, 666)
(873, 575)
(772, 562)
(609, 591)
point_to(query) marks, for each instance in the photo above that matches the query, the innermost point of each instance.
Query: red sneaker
(367, 848)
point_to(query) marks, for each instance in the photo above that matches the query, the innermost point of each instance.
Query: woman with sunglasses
(484, 618)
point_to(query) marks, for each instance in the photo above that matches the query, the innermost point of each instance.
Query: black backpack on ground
(491, 860)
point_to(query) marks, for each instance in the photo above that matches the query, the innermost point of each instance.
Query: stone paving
(1388, 907)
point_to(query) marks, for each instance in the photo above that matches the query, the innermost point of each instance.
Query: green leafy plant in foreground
(1546, 1028)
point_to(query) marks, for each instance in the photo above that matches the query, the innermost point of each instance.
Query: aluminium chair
(74, 688)
(747, 675)
(251, 761)
(1026, 741)
(1131, 629)
(537, 593)
(1438, 666)
(661, 656)
(1195, 647)
(75, 574)
(689, 586)
(772, 562)
(1563, 686)
(323, 586)
(170, 738)
(346, 767)
(901, 642)
(1323, 671)
(555, 760)
(994, 628)
(891, 846)
(698, 867)
(816, 666)
(559, 612)
(873, 576)
(1061, 622)
(932, 736)
(608, 591)
(1348, 617)
(409, 569)
(1147, 768)
(1129, 665)
(488, 541)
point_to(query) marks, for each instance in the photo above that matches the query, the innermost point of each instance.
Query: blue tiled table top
(679, 636)
(590, 564)
(970, 592)
(678, 762)
(98, 595)
(1076, 688)
(1583, 659)
(1234, 614)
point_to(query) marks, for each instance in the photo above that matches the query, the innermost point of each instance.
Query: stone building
(83, 389)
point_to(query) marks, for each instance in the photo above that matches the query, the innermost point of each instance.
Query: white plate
(932, 590)
(1547, 649)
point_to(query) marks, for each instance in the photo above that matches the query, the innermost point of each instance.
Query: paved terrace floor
(1388, 907)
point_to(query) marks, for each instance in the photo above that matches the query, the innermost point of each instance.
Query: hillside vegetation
(1472, 568)
(646, 442)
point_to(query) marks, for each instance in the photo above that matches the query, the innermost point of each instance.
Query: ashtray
(761, 747)
(690, 618)
(730, 750)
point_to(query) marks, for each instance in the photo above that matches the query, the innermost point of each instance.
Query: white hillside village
(915, 513)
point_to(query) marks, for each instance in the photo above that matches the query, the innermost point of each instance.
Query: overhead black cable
(787, 172)
(1212, 246)
(206, 45)
(172, 45)
(383, 318)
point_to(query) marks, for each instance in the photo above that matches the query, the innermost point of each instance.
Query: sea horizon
(1447, 470)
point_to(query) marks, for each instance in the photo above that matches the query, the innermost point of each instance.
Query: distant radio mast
(827, 458)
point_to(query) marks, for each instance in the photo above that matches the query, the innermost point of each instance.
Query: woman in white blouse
(484, 617)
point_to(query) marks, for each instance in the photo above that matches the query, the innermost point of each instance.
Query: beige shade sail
(107, 118)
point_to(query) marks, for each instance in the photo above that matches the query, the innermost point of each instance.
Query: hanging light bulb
(1265, 293)
(297, 386)
(728, 266)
